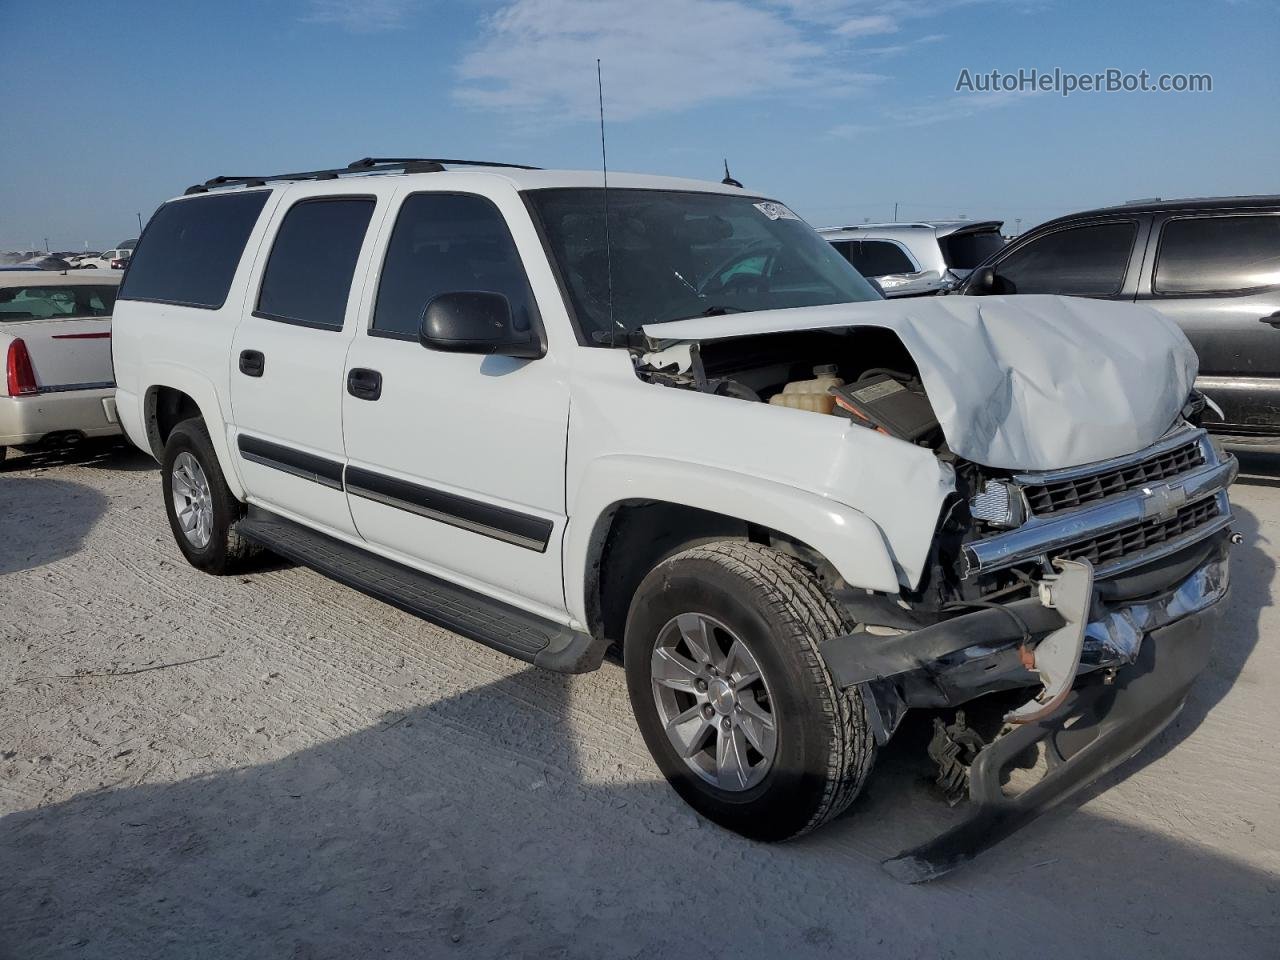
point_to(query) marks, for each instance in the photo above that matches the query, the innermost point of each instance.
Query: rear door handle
(1274, 319)
(364, 384)
(252, 363)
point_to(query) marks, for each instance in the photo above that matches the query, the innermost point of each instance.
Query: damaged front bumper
(1098, 727)
(1148, 634)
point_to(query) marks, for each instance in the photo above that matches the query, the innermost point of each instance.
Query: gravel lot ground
(324, 776)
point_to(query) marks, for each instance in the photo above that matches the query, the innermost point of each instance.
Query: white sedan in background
(107, 260)
(55, 342)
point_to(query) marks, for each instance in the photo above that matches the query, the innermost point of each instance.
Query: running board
(505, 628)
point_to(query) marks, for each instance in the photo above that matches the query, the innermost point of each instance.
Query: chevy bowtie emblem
(1162, 501)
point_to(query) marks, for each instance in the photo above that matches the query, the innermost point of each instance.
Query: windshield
(675, 254)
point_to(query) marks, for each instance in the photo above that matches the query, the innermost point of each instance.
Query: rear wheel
(731, 693)
(201, 508)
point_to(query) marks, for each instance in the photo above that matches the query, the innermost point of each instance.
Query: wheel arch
(612, 541)
(176, 395)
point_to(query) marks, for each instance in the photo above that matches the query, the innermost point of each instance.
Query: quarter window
(308, 276)
(191, 250)
(448, 243)
(1088, 261)
(1218, 254)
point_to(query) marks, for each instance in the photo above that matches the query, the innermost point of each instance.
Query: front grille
(1049, 498)
(1118, 544)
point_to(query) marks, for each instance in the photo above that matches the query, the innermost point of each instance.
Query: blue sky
(838, 107)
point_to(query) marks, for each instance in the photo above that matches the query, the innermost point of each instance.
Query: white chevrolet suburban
(557, 415)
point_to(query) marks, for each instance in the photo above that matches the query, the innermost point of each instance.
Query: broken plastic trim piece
(1057, 657)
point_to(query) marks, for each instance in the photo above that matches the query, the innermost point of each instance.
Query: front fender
(202, 391)
(847, 538)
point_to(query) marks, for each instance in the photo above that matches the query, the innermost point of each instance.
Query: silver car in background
(917, 259)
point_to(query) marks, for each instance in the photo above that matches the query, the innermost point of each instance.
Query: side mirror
(875, 285)
(475, 322)
(981, 283)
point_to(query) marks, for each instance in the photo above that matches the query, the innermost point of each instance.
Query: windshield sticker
(774, 211)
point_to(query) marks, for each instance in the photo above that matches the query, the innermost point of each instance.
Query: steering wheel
(712, 284)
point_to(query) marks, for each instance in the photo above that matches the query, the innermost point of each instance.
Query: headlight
(999, 504)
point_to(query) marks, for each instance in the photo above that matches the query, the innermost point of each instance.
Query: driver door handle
(364, 384)
(1273, 319)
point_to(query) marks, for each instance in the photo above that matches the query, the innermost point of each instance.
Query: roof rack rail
(365, 165)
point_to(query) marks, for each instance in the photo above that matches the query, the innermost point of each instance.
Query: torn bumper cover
(1138, 655)
(1098, 728)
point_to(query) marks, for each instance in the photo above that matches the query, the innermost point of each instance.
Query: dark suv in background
(1210, 265)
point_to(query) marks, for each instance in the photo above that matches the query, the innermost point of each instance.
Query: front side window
(191, 249)
(1218, 254)
(878, 258)
(1089, 261)
(54, 302)
(448, 243)
(313, 259)
(674, 254)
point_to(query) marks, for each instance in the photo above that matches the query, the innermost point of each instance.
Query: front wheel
(201, 508)
(732, 695)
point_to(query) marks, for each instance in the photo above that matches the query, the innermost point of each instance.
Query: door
(890, 265)
(456, 464)
(287, 361)
(1218, 277)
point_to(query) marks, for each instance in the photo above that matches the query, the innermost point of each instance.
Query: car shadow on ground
(488, 822)
(114, 453)
(43, 520)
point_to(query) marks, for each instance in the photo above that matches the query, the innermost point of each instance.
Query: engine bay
(865, 375)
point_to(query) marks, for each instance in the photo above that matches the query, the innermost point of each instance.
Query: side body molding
(847, 538)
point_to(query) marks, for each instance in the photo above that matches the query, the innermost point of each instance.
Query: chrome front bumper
(1040, 538)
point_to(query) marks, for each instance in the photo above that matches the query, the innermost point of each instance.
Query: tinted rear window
(964, 251)
(1218, 254)
(191, 249)
(875, 258)
(308, 277)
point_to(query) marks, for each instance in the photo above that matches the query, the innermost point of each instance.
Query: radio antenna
(604, 169)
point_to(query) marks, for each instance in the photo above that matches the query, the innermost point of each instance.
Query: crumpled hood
(1026, 383)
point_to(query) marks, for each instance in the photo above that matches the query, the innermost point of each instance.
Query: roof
(1168, 206)
(940, 228)
(456, 171)
(57, 278)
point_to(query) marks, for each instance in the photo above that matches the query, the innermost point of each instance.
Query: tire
(223, 550)
(822, 743)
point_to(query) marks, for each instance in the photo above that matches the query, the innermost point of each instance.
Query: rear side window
(1218, 254)
(308, 276)
(1088, 261)
(876, 258)
(964, 251)
(191, 249)
(448, 243)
